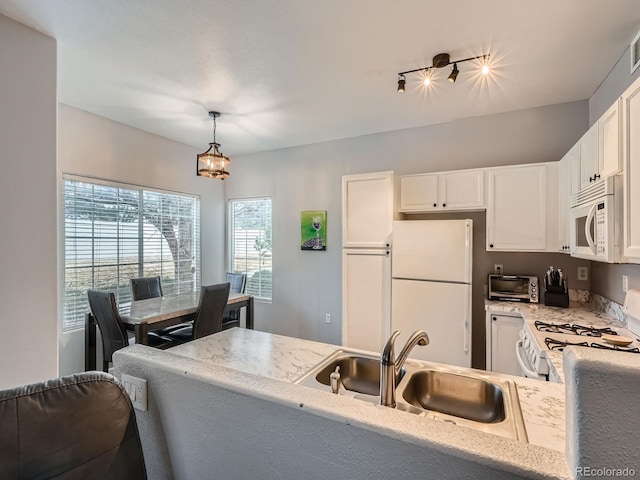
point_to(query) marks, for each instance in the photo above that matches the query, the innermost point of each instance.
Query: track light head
(454, 73)
(401, 83)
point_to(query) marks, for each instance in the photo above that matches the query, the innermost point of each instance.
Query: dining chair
(238, 282)
(208, 320)
(73, 427)
(146, 287)
(114, 336)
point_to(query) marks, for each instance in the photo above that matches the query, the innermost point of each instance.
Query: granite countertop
(285, 359)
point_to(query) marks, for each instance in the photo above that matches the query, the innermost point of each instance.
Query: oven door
(526, 368)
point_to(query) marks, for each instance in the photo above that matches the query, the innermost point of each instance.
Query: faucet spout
(419, 337)
(390, 366)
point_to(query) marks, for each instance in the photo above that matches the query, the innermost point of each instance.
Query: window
(250, 242)
(113, 233)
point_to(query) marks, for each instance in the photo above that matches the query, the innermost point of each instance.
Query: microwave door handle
(587, 233)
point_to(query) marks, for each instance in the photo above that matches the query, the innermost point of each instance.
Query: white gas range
(538, 338)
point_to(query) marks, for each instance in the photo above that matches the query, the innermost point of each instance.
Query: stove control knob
(526, 343)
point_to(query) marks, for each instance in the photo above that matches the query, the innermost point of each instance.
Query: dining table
(143, 316)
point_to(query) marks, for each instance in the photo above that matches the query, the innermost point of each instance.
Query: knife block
(555, 296)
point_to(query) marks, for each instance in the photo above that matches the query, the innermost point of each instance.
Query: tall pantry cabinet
(367, 215)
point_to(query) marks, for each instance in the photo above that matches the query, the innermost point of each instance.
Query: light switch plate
(137, 390)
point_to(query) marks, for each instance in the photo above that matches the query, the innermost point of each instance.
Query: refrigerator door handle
(466, 336)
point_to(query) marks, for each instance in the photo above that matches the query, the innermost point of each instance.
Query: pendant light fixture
(213, 164)
(440, 61)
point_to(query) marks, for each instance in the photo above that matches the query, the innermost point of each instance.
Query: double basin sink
(481, 401)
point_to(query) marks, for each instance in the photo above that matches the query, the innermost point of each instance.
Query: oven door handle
(587, 232)
(524, 364)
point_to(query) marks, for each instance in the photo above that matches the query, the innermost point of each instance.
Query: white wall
(306, 284)
(28, 300)
(93, 146)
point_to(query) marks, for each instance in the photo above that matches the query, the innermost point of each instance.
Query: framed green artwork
(313, 230)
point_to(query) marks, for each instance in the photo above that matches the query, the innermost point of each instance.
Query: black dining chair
(213, 300)
(238, 282)
(114, 336)
(76, 427)
(146, 287)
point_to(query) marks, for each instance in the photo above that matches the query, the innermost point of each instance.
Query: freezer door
(443, 310)
(433, 250)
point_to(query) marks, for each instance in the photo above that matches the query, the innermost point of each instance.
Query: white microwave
(595, 221)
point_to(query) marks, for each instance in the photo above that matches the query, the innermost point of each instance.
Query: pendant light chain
(214, 129)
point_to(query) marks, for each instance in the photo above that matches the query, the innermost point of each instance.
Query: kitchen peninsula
(227, 403)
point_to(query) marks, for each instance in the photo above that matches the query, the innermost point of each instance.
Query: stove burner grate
(558, 345)
(574, 329)
(616, 347)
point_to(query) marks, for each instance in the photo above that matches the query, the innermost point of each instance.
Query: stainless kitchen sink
(359, 373)
(458, 395)
(481, 401)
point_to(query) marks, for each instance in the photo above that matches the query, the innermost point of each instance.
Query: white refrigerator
(431, 287)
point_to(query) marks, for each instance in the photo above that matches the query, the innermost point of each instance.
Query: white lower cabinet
(522, 208)
(366, 298)
(502, 334)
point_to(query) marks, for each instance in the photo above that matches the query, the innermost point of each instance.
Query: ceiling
(294, 72)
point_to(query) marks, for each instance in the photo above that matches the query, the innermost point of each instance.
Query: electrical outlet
(625, 283)
(327, 318)
(497, 269)
(137, 390)
(583, 273)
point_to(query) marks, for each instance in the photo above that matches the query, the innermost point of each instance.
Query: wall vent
(635, 53)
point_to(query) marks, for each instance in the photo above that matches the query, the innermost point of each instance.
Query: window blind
(115, 233)
(250, 244)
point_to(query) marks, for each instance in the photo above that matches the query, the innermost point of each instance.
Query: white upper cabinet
(631, 154)
(574, 169)
(589, 157)
(609, 138)
(564, 193)
(367, 210)
(522, 212)
(446, 191)
(600, 148)
(419, 193)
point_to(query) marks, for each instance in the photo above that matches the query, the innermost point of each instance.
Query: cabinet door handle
(444, 204)
(494, 318)
(590, 179)
(435, 204)
(491, 245)
(596, 176)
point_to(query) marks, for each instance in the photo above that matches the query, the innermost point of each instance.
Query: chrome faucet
(390, 366)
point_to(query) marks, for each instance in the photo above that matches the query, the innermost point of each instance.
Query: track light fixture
(214, 164)
(440, 61)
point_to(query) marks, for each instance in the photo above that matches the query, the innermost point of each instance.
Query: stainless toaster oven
(514, 288)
